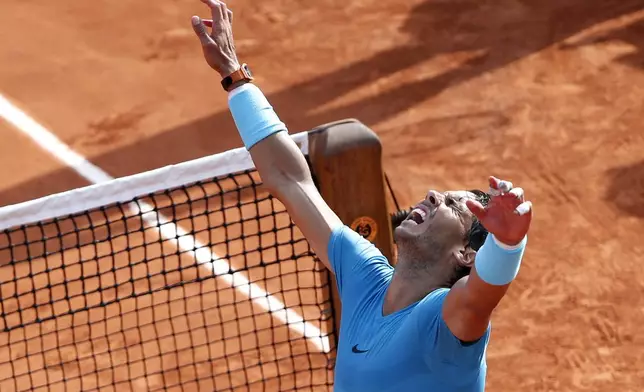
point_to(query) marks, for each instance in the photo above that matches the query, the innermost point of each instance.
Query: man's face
(439, 222)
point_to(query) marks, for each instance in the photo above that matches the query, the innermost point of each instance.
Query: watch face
(247, 70)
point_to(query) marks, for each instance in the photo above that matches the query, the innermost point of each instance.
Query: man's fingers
(201, 31)
(498, 186)
(216, 10)
(211, 3)
(524, 208)
(493, 182)
(518, 194)
(224, 10)
(208, 22)
(477, 208)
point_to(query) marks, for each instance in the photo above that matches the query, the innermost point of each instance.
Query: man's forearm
(472, 299)
(495, 267)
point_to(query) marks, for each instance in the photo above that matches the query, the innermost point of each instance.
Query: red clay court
(546, 94)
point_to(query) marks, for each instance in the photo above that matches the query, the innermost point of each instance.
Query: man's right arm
(286, 174)
(283, 167)
(356, 262)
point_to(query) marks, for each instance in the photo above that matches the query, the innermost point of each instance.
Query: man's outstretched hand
(218, 46)
(507, 215)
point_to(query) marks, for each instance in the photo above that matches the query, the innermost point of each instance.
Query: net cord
(125, 189)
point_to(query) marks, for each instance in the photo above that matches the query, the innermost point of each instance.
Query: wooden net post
(346, 160)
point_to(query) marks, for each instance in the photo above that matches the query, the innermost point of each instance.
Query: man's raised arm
(279, 161)
(471, 301)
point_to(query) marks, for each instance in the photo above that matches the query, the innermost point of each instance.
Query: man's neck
(413, 279)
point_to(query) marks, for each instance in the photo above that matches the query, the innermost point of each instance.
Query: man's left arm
(469, 305)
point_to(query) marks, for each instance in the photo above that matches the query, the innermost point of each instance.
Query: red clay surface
(546, 94)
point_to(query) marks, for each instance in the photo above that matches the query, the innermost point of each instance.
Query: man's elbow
(277, 179)
(284, 186)
(270, 181)
(277, 187)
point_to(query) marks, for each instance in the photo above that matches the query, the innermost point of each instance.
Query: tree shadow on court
(626, 189)
(495, 32)
(632, 34)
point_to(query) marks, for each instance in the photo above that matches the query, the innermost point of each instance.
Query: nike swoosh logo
(355, 350)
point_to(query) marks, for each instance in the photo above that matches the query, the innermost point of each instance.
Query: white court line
(50, 143)
(168, 230)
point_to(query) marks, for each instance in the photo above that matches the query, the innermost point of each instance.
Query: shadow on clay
(631, 34)
(626, 189)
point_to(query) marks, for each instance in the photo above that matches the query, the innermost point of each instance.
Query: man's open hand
(218, 46)
(507, 215)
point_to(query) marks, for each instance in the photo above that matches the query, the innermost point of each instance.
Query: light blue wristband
(498, 264)
(253, 114)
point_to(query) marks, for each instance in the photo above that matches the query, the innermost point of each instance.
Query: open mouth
(417, 215)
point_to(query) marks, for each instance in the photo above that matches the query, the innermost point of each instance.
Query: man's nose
(435, 198)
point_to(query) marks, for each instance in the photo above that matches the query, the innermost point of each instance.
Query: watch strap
(243, 73)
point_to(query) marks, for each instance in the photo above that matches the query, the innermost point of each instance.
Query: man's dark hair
(477, 234)
(475, 237)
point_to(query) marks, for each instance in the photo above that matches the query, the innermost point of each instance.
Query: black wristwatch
(242, 73)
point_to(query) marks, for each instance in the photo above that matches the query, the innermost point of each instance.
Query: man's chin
(405, 230)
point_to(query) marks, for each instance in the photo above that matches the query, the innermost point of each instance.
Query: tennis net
(188, 278)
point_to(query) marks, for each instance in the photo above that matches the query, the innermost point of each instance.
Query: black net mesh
(205, 287)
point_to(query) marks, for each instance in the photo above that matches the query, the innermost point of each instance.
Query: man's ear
(465, 256)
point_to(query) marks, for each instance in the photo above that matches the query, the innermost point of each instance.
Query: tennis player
(425, 324)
